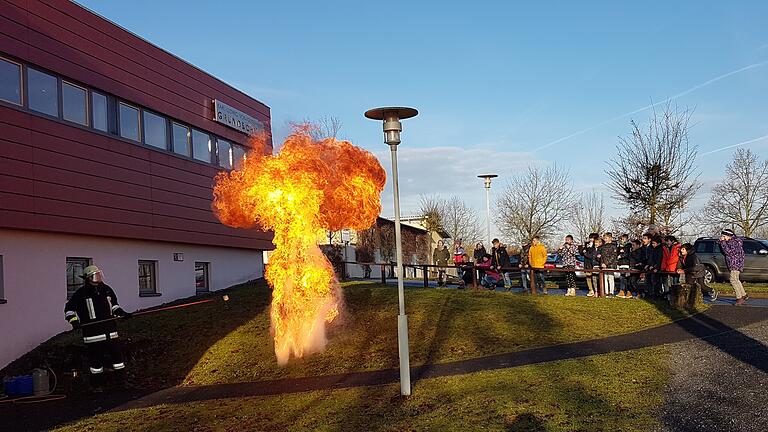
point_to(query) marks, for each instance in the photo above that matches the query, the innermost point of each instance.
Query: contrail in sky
(681, 94)
(735, 145)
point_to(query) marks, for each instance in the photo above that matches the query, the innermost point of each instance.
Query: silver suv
(755, 259)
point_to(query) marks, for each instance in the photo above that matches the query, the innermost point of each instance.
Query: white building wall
(35, 285)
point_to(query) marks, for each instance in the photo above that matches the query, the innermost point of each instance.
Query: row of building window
(48, 94)
(147, 276)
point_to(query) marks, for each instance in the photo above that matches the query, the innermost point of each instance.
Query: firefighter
(93, 302)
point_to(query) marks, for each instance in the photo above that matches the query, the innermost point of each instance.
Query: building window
(201, 146)
(129, 122)
(75, 267)
(74, 104)
(99, 111)
(238, 156)
(10, 81)
(181, 140)
(155, 130)
(147, 278)
(42, 91)
(201, 277)
(224, 153)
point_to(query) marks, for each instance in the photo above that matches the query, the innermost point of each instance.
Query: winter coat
(441, 256)
(524, 252)
(479, 254)
(670, 258)
(500, 257)
(537, 255)
(568, 252)
(590, 255)
(637, 259)
(692, 266)
(608, 255)
(734, 253)
(485, 266)
(458, 252)
(655, 257)
(625, 252)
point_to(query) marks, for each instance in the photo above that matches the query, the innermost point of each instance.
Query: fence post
(383, 274)
(601, 285)
(426, 277)
(474, 277)
(532, 281)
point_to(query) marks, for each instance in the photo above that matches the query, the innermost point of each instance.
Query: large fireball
(307, 187)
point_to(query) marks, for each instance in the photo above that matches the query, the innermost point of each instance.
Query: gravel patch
(719, 384)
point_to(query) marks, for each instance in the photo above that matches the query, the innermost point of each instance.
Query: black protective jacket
(94, 303)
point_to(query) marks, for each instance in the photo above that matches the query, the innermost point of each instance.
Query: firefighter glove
(119, 312)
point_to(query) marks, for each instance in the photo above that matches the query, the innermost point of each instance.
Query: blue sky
(493, 81)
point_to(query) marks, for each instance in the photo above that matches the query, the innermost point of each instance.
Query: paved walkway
(715, 328)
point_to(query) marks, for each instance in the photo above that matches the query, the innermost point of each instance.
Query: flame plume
(307, 187)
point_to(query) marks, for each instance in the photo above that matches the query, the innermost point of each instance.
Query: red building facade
(106, 137)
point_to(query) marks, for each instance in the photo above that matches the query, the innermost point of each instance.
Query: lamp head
(391, 117)
(487, 178)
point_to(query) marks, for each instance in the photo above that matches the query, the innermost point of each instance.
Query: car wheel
(709, 275)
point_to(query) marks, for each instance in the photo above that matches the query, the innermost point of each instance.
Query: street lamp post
(488, 178)
(392, 127)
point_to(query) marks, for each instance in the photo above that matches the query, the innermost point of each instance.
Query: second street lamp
(392, 128)
(488, 178)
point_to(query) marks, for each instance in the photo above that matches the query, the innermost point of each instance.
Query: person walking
(440, 257)
(91, 309)
(537, 257)
(568, 251)
(733, 248)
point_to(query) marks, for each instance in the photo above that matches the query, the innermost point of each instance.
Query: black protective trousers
(104, 353)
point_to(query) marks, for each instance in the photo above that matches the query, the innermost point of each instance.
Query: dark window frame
(22, 82)
(189, 138)
(87, 99)
(91, 107)
(77, 283)
(152, 278)
(142, 129)
(206, 274)
(58, 92)
(140, 138)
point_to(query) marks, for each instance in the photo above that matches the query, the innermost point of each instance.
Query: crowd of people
(644, 268)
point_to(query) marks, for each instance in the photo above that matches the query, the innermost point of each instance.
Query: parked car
(755, 259)
(556, 261)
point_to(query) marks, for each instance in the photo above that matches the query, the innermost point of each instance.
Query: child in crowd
(669, 261)
(491, 276)
(624, 250)
(524, 265)
(537, 258)
(568, 251)
(465, 270)
(636, 262)
(609, 260)
(589, 251)
(653, 266)
(500, 261)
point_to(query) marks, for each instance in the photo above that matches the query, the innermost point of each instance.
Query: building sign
(235, 118)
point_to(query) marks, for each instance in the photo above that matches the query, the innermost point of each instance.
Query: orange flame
(307, 187)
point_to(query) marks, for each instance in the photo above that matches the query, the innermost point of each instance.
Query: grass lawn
(754, 289)
(611, 392)
(222, 342)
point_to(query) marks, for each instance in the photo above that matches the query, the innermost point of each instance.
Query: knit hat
(728, 232)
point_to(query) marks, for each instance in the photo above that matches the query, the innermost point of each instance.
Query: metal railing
(470, 266)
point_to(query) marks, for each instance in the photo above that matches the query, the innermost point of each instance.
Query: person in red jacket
(670, 261)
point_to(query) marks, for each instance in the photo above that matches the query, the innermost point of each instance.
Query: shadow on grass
(157, 356)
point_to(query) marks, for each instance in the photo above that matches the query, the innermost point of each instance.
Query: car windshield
(765, 243)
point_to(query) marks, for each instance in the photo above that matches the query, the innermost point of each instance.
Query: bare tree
(654, 172)
(431, 211)
(535, 203)
(631, 224)
(459, 220)
(740, 201)
(588, 215)
(325, 127)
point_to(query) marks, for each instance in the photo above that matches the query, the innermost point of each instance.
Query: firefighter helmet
(91, 270)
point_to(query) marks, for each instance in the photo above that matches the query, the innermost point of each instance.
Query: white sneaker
(591, 294)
